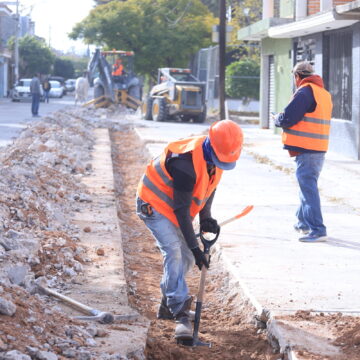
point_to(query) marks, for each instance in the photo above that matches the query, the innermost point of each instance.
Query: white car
(21, 91)
(57, 90)
(70, 85)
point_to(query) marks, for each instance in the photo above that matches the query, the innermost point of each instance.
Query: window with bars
(337, 73)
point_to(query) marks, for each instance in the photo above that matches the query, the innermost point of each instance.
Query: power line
(174, 23)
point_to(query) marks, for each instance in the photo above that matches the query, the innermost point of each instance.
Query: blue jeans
(35, 101)
(46, 95)
(309, 215)
(177, 257)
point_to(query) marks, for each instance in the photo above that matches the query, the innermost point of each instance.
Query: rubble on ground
(40, 189)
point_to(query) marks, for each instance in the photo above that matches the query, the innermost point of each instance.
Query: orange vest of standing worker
(312, 132)
(156, 186)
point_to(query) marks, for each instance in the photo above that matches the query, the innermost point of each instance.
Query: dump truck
(108, 88)
(178, 95)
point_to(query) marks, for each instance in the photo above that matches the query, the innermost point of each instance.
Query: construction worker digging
(176, 186)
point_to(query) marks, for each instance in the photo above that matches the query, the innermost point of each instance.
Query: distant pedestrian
(35, 90)
(306, 128)
(46, 88)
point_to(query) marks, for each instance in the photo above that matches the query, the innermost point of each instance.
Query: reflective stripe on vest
(312, 132)
(156, 186)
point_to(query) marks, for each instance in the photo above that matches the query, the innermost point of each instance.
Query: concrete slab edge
(106, 145)
(271, 324)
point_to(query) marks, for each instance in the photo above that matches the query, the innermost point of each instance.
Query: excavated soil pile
(40, 191)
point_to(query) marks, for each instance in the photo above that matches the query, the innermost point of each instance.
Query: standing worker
(178, 185)
(118, 68)
(35, 90)
(306, 128)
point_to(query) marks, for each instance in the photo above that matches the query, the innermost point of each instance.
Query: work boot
(183, 330)
(164, 312)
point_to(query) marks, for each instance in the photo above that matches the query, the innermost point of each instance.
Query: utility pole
(16, 47)
(16, 72)
(222, 51)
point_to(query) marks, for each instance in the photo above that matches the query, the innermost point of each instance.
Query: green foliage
(240, 18)
(245, 13)
(162, 33)
(213, 6)
(35, 56)
(64, 67)
(102, 2)
(80, 64)
(243, 80)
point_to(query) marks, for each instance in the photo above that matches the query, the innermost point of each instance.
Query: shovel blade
(193, 342)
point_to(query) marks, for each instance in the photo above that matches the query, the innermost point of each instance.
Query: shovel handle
(201, 290)
(244, 212)
(238, 216)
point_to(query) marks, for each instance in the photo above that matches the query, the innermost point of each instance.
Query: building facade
(326, 33)
(8, 24)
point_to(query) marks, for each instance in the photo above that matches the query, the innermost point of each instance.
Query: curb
(274, 335)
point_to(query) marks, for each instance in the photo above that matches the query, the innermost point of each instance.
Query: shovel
(199, 300)
(200, 295)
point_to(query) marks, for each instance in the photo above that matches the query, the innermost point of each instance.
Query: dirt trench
(226, 319)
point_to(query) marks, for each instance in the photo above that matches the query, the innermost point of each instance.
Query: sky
(55, 18)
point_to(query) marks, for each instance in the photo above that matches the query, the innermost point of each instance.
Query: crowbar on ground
(93, 314)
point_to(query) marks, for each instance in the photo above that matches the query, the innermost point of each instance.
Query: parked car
(70, 85)
(21, 91)
(56, 91)
(61, 80)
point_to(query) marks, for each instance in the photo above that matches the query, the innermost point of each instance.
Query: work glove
(209, 225)
(200, 258)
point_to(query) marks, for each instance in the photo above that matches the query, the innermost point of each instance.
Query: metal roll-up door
(271, 93)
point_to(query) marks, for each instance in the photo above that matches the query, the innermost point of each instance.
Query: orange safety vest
(312, 132)
(118, 70)
(156, 186)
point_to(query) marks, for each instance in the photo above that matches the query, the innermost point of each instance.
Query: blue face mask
(207, 150)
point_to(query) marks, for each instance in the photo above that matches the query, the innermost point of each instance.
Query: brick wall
(313, 6)
(340, 2)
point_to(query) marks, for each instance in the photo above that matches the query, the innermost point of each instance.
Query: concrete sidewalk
(262, 250)
(283, 274)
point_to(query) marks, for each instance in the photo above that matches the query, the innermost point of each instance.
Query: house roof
(5, 10)
(260, 29)
(339, 17)
(329, 20)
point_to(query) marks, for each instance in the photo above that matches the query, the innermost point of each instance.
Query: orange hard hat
(226, 139)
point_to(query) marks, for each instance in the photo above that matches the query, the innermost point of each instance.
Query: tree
(162, 33)
(64, 67)
(35, 56)
(212, 5)
(102, 2)
(80, 64)
(243, 80)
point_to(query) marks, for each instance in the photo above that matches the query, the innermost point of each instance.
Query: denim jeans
(177, 257)
(46, 95)
(35, 101)
(309, 215)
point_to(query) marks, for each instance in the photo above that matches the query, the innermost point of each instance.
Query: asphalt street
(15, 115)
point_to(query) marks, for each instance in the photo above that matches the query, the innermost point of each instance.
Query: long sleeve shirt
(302, 102)
(182, 170)
(35, 86)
